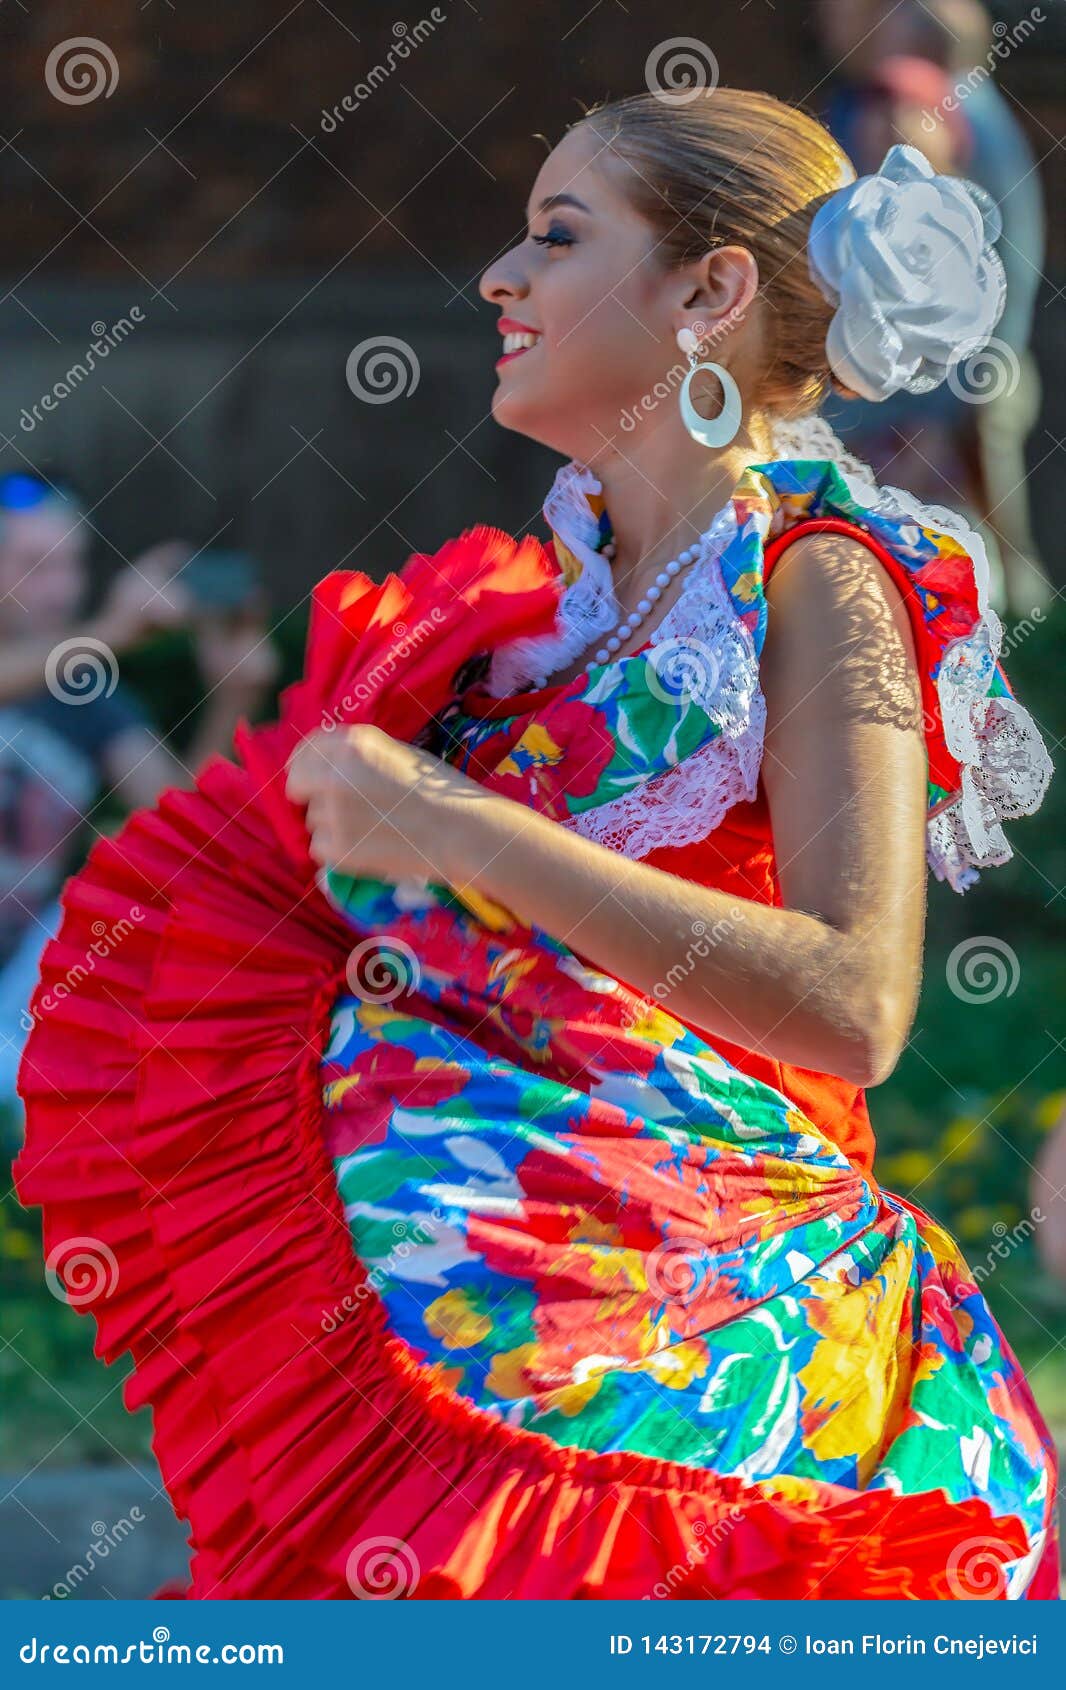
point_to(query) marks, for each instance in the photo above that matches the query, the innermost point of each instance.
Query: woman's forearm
(775, 980)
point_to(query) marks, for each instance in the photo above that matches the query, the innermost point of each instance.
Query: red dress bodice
(738, 858)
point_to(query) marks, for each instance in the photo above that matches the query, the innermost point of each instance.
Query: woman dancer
(467, 1139)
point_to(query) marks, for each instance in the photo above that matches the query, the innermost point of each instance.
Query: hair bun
(906, 256)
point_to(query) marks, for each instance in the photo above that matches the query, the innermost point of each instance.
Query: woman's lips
(512, 330)
(506, 357)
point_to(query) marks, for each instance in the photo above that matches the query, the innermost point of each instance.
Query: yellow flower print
(538, 746)
(655, 1024)
(678, 1366)
(786, 1487)
(587, 1228)
(569, 565)
(568, 1399)
(450, 1377)
(506, 1377)
(857, 1381)
(496, 917)
(623, 1264)
(930, 1360)
(454, 1320)
(945, 1251)
(746, 587)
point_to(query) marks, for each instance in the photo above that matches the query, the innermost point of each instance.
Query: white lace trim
(1005, 763)
(588, 606)
(701, 635)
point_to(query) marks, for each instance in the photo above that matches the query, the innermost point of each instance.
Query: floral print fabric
(588, 1223)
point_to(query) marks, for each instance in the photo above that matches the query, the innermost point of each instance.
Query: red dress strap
(831, 525)
(900, 575)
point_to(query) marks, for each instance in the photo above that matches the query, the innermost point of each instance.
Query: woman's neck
(662, 493)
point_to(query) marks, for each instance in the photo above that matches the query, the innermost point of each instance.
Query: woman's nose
(503, 281)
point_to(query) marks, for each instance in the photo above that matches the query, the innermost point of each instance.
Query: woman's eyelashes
(556, 236)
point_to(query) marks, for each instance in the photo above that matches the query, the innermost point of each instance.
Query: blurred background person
(923, 75)
(71, 730)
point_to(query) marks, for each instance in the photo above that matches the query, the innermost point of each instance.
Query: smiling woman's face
(587, 280)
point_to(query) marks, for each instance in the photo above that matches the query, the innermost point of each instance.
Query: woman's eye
(555, 237)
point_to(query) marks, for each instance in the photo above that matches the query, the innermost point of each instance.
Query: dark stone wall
(260, 245)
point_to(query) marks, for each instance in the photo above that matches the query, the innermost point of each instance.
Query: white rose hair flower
(907, 257)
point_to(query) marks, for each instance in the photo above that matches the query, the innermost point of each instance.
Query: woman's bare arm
(830, 981)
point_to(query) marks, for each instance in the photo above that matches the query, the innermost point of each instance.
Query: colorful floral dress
(454, 1266)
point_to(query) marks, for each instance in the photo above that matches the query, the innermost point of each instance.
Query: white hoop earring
(719, 430)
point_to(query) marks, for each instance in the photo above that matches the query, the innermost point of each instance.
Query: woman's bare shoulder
(834, 608)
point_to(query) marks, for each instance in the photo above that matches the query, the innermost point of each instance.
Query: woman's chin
(511, 409)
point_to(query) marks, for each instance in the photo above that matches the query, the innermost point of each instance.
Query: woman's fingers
(311, 766)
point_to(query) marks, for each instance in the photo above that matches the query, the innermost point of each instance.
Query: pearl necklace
(629, 624)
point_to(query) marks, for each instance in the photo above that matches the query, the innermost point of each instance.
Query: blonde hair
(731, 166)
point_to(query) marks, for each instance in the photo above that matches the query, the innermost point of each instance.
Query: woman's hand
(377, 806)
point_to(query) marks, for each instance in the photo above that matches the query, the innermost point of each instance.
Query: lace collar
(575, 512)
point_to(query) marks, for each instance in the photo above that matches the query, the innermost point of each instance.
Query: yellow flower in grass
(453, 1319)
(910, 1167)
(1050, 1109)
(962, 1138)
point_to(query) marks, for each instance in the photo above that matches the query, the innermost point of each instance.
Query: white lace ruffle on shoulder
(1004, 761)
